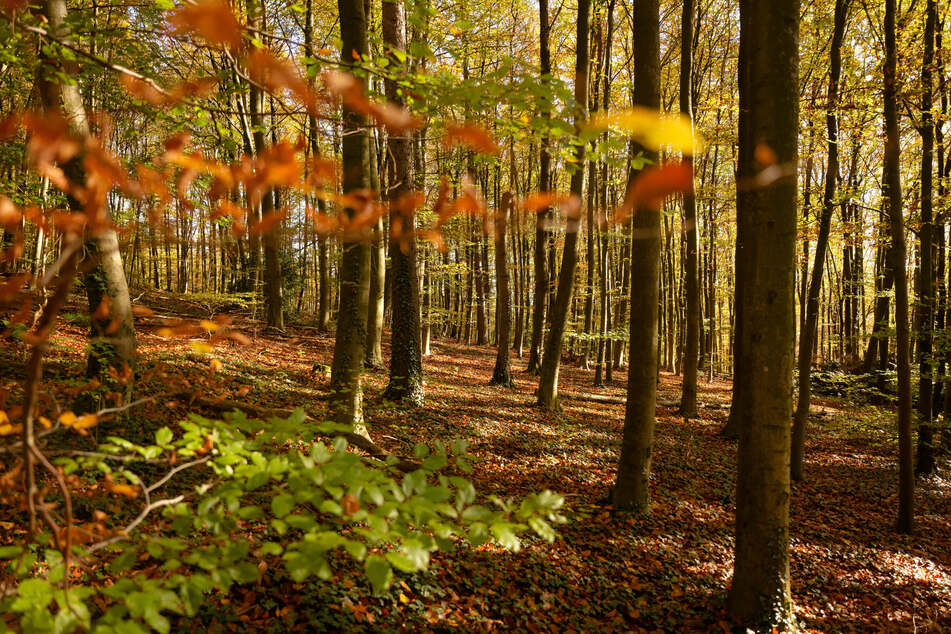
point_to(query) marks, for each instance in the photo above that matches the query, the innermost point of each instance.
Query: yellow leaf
(86, 421)
(3, 417)
(215, 365)
(652, 129)
(45, 422)
(200, 347)
(127, 490)
(67, 419)
(210, 326)
(403, 598)
(6, 429)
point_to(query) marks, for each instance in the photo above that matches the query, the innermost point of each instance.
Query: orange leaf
(653, 185)
(102, 310)
(210, 19)
(538, 201)
(350, 504)
(471, 135)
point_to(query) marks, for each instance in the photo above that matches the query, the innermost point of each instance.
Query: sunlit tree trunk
(375, 307)
(112, 342)
(808, 335)
(551, 359)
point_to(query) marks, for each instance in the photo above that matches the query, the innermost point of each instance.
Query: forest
(423, 315)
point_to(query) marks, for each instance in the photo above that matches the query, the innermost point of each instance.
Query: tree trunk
(502, 374)
(540, 291)
(112, 332)
(548, 377)
(769, 116)
(808, 335)
(374, 344)
(347, 367)
(688, 399)
(632, 487)
(406, 373)
(891, 184)
(925, 465)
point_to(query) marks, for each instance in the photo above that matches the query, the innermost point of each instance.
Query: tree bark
(543, 218)
(347, 367)
(502, 374)
(759, 596)
(406, 373)
(925, 463)
(808, 335)
(112, 342)
(632, 486)
(551, 359)
(375, 307)
(891, 184)
(688, 399)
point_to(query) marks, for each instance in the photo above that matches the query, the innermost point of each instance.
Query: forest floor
(850, 569)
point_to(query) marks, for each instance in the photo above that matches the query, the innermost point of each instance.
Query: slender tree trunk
(112, 342)
(688, 400)
(632, 486)
(374, 344)
(548, 377)
(926, 459)
(540, 291)
(502, 374)
(808, 334)
(891, 183)
(769, 115)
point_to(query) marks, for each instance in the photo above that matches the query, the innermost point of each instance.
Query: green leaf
(505, 534)
(163, 436)
(282, 505)
(33, 593)
(379, 573)
(9, 552)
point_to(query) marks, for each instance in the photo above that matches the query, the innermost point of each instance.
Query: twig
(138, 520)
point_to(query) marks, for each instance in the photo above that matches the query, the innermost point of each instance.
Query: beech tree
(551, 359)
(350, 339)
(406, 373)
(632, 487)
(766, 214)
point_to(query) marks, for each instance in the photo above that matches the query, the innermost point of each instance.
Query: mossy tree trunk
(112, 342)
